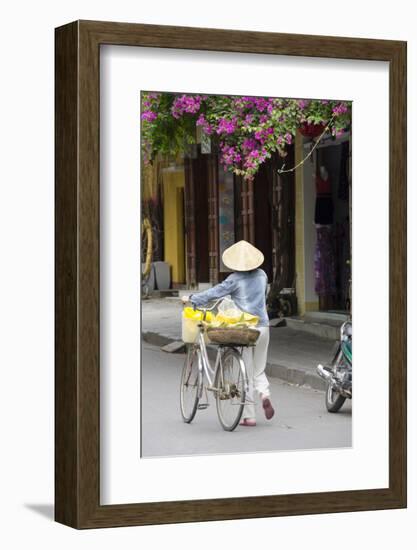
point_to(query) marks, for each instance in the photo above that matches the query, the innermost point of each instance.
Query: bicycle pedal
(202, 406)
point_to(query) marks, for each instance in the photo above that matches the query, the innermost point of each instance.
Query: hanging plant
(310, 130)
(246, 130)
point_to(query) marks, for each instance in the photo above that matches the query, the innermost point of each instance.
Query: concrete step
(289, 373)
(323, 327)
(324, 316)
(172, 292)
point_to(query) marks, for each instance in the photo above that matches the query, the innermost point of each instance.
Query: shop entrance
(221, 208)
(265, 217)
(332, 219)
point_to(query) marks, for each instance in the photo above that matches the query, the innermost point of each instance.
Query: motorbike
(338, 373)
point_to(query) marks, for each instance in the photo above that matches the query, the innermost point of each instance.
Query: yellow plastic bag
(230, 314)
(190, 320)
(196, 315)
(228, 319)
(250, 319)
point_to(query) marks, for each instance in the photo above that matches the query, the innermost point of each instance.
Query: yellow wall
(149, 181)
(303, 242)
(299, 226)
(174, 253)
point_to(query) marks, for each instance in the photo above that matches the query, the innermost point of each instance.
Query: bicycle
(146, 253)
(228, 380)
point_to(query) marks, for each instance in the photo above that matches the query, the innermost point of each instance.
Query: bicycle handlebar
(205, 309)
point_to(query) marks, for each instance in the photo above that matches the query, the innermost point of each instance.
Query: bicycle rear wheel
(191, 381)
(231, 383)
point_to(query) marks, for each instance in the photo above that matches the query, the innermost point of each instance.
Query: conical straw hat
(242, 256)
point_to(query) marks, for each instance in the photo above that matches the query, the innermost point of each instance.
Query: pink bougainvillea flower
(226, 126)
(149, 116)
(249, 163)
(288, 138)
(242, 150)
(261, 104)
(270, 106)
(201, 121)
(185, 104)
(340, 109)
(249, 143)
(302, 103)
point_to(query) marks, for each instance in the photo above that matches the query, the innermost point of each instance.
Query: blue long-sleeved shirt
(246, 288)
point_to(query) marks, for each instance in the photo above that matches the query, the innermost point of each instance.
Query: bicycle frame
(229, 382)
(205, 365)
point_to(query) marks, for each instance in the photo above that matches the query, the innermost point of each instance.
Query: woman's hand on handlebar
(186, 299)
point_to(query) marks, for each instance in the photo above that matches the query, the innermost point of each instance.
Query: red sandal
(248, 422)
(268, 408)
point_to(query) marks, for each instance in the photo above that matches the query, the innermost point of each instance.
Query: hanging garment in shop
(323, 214)
(324, 262)
(343, 190)
(342, 247)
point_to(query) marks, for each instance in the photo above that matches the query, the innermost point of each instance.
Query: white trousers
(255, 360)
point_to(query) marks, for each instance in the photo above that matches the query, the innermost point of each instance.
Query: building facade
(205, 209)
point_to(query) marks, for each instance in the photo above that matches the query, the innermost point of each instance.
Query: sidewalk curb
(298, 377)
(291, 375)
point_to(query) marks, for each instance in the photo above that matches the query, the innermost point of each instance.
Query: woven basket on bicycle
(233, 336)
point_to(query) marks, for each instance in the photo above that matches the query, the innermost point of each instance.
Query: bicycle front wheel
(191, 380)
(231, 382)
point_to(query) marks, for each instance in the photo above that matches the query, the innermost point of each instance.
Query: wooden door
(189, 224)
(245, 212)
(200, 219)
(283, 218)
(265, 214)
(213, 216)
(262, 201)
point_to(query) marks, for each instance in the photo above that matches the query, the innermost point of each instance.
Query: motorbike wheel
(334, 400)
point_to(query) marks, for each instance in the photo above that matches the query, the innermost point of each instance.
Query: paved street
(292, 354)
(301, 420)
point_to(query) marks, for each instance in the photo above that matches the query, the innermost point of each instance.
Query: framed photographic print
(229, 205)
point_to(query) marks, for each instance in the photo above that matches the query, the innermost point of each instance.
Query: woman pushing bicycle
(247, 287)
